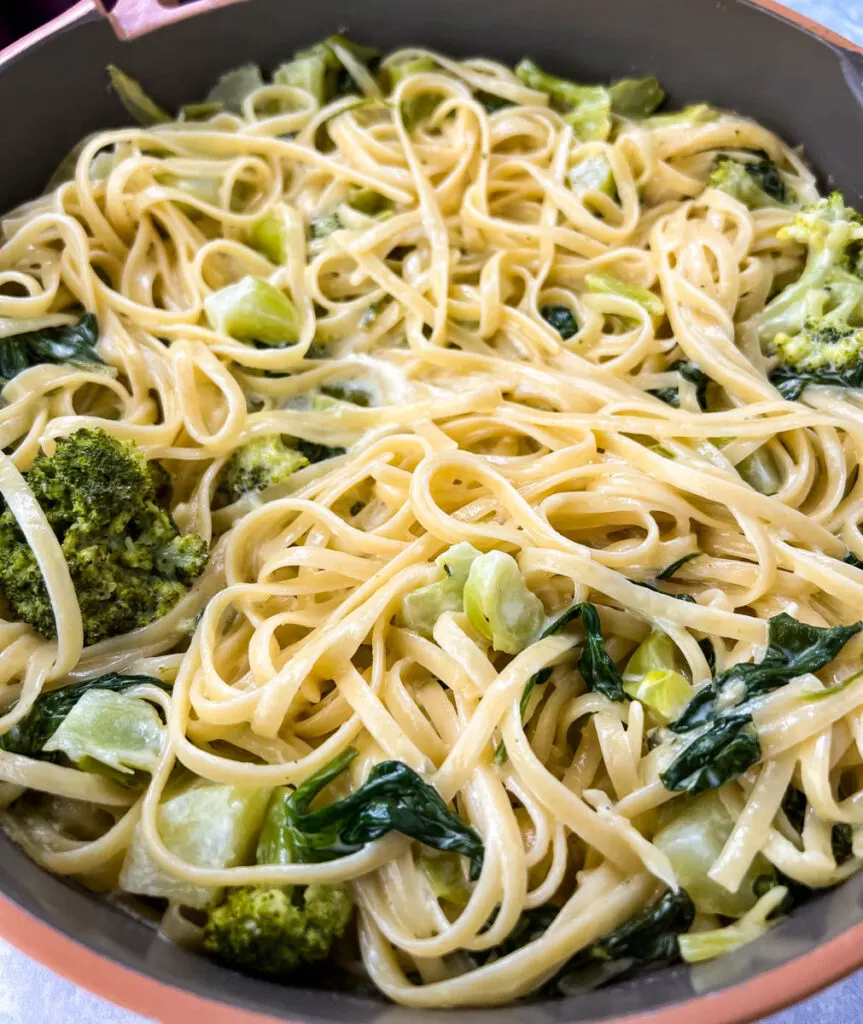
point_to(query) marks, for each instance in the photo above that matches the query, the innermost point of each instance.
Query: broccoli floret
(756, 183)
(127, 561)
(815, 325)
(272, 932)
(257, 465)
(825, 342)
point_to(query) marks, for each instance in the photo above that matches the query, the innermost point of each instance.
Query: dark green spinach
(393, 799)
(491, 102)
(766, 176)
(70, 343)
(728, 743)
(348, 391)
(30, 735)
(315, 452)
(651, 934)
(791, 382)
(693, 375)
(722, 752)
(561, 318)
(670, 570)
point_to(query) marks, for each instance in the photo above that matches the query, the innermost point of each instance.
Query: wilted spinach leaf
(393, 799)
(68, 343)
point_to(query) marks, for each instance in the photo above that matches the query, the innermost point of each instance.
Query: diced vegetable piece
(608, 285)
(325, 225)
(636, 97)
(208, 190)
(270, 236)
(253, 310)
(698, 946)
(445, 877)
(499, 605)
(698, 113)
(125, 733)
(30, 736)
(665, 693)
(421, 608)
(369, 202)
(593, 174)
(651, 677)
(235, 86)
(131, 94)
(692, 841)
(587, 107)
(200, 111)
(422, 105)
(210, 826)
(306, 71)
(760, 471)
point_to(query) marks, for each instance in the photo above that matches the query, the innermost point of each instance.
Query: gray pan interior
(724, 51)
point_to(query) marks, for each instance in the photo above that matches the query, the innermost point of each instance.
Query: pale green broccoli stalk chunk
(693, 841)
(262, 463)
(815, 324)
(697, 113)
(756, 183)
(253, 310)
(128, 563)
(114, 730)
(319, 70)
(605, 284)
(235, 86)
(760, 471)
(272, 931)
(698, 946)
(421, 608)
(310, 71)
(136, 101)
(636, 97)
(651, 676)
(499, 605)
(593, 174)
(586, 107)
(421, 105)
(270, 237)
(209, 826)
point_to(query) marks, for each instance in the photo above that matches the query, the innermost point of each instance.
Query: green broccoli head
(272, 932)
(815, 324)
(826, 342)
(127, 561)
(257, 465)
(757, 183)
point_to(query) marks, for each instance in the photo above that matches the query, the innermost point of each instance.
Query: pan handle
(131, 18)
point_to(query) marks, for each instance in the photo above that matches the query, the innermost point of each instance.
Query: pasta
(519, 328)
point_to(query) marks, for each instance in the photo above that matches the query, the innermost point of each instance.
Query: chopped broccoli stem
(128, 563)
(636, 97)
